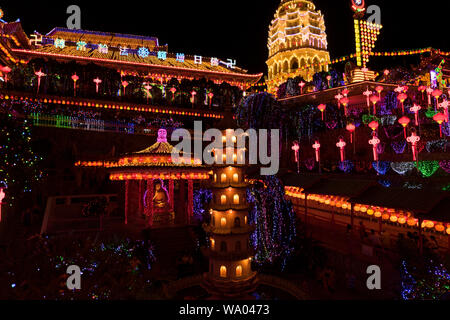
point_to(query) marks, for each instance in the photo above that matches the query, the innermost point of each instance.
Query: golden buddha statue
(162, 211)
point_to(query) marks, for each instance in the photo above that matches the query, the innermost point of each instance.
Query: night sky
(236, 29)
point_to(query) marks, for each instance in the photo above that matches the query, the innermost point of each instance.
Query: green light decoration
(428, 168)
(430, 113)
(367, 118)
(446, 188)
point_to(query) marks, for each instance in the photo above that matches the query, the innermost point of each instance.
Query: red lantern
(379, 89)
(439, 118)
(351, 128)
(422, 89)
(404, 121)
(374, 125)
(402, 97)
(374, 100)
(345, 102)
(322, 108)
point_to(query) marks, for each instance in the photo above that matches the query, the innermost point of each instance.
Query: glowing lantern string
(296, 148)
(374, 100)
(422, 89)
(97, 82)
(2, 196)
(322, 109)
(193, 94)
(301, 85)
(39, 74)
(402, 97)
(75, 78)
(210, 96)
(316, 147)
(429, 92)
(416, 108)
(328, 79)
(414, 139)
(351, 128)
(439, 118)
(367, 93)
(338, 97)
(341, 145)
(345, 102)
(125, 85)
(173, 90)
(345, 92)
(374, 142)
(374, 125)
(379, 89)
(404, 121)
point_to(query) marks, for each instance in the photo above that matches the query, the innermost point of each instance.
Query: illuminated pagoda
(142, 170)
(230, 274)
(297, 42)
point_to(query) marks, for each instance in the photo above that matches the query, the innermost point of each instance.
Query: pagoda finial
(162, 135)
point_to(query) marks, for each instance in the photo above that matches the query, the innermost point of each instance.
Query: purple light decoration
(331, 124)
(399, 147)
(445, 165)
(346, 166)
(381, 167)
(309, 163)
(385, 183)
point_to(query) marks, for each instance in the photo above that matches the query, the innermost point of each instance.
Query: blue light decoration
(346, 166)
(81, 46)
(381, 167)
(162, 55)
(214, 62)
(402, 168)
(180, 57)
(143, 52)
(123, 51)
(385, 183)
(399, 147)
(103, 48)
(202, 197)
(437, 146)
(60, 43)
(446, 128)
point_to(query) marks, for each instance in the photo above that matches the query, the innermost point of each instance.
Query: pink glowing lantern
(429, 92)
(328, 79)
(416, 108)
(296, 148)
(351, 128)
(345, 92)
(6, 70)
(367, 93)
(404, 121)
(345, 102)
(402, 97)
(338, 97)
(439, 118)
(193, 94)
(374, 100)
(316, 147)
(301, 85)
(2, 196)
(75, 78)
(341, 145)
(147, 87)
(374, 142)
(210, 96)
(386, 72)
(422, 89)
(125, 85)
(173, 90)
(97, 82)
(374, 125)
(39, 74)
(444, 105)
(379, 89)
(399, 89)
(322, 109)
(413, 139)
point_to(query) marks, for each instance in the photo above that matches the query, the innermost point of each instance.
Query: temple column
(182, 202)
(171, 188)
(141, 188)
(150, 202)
(190, 210)
(127, 189)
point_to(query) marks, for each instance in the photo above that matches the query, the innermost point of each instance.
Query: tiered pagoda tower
(297, 39)
(230, 274)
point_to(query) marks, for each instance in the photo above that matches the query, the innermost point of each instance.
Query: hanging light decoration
(97, 82)
(444, 105)
(374, 142)
(379, 89)
(374, 125)
(351, 128)
(39, 74)
(404, 121)
(345, 102)
(301, 85)
(429, 92)
(341, 145)
(367, 93)
(338, 97)
(422, 89)
(75, 78)
(402, 97)
(440, 118)
(374, 100)
(416, 108)
(316, 147)
(414, 139)
(322, 109)
(296, 148)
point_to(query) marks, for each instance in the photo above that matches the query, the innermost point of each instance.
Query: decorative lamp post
(351, 128)
(422, 89)
(402, 97)
(416, 108)
(439, 118)
(367, 93)
(301, 85)
(404, 121)
(345, 102)
(374, 100)
(338, 97)
(375, 142)
(322, 109)
(125, 85)
(75, 78)
(429, 92)
(193, 94)
(296, 148)
(97, 82)
(210, 96)
(39, 74)
(414, 139)
(379, 89)
(341, 145)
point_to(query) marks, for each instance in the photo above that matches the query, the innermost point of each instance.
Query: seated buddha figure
(162, 212)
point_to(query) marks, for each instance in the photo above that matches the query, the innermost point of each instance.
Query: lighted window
(223, 222)
(223, 272)
(236, 199)
(245, 219)
(213, 243)
(215, 177)
(235, 177)
(223, 199)
(223, 178)
(239, 271)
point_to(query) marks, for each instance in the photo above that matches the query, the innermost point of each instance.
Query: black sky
(236, 28)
